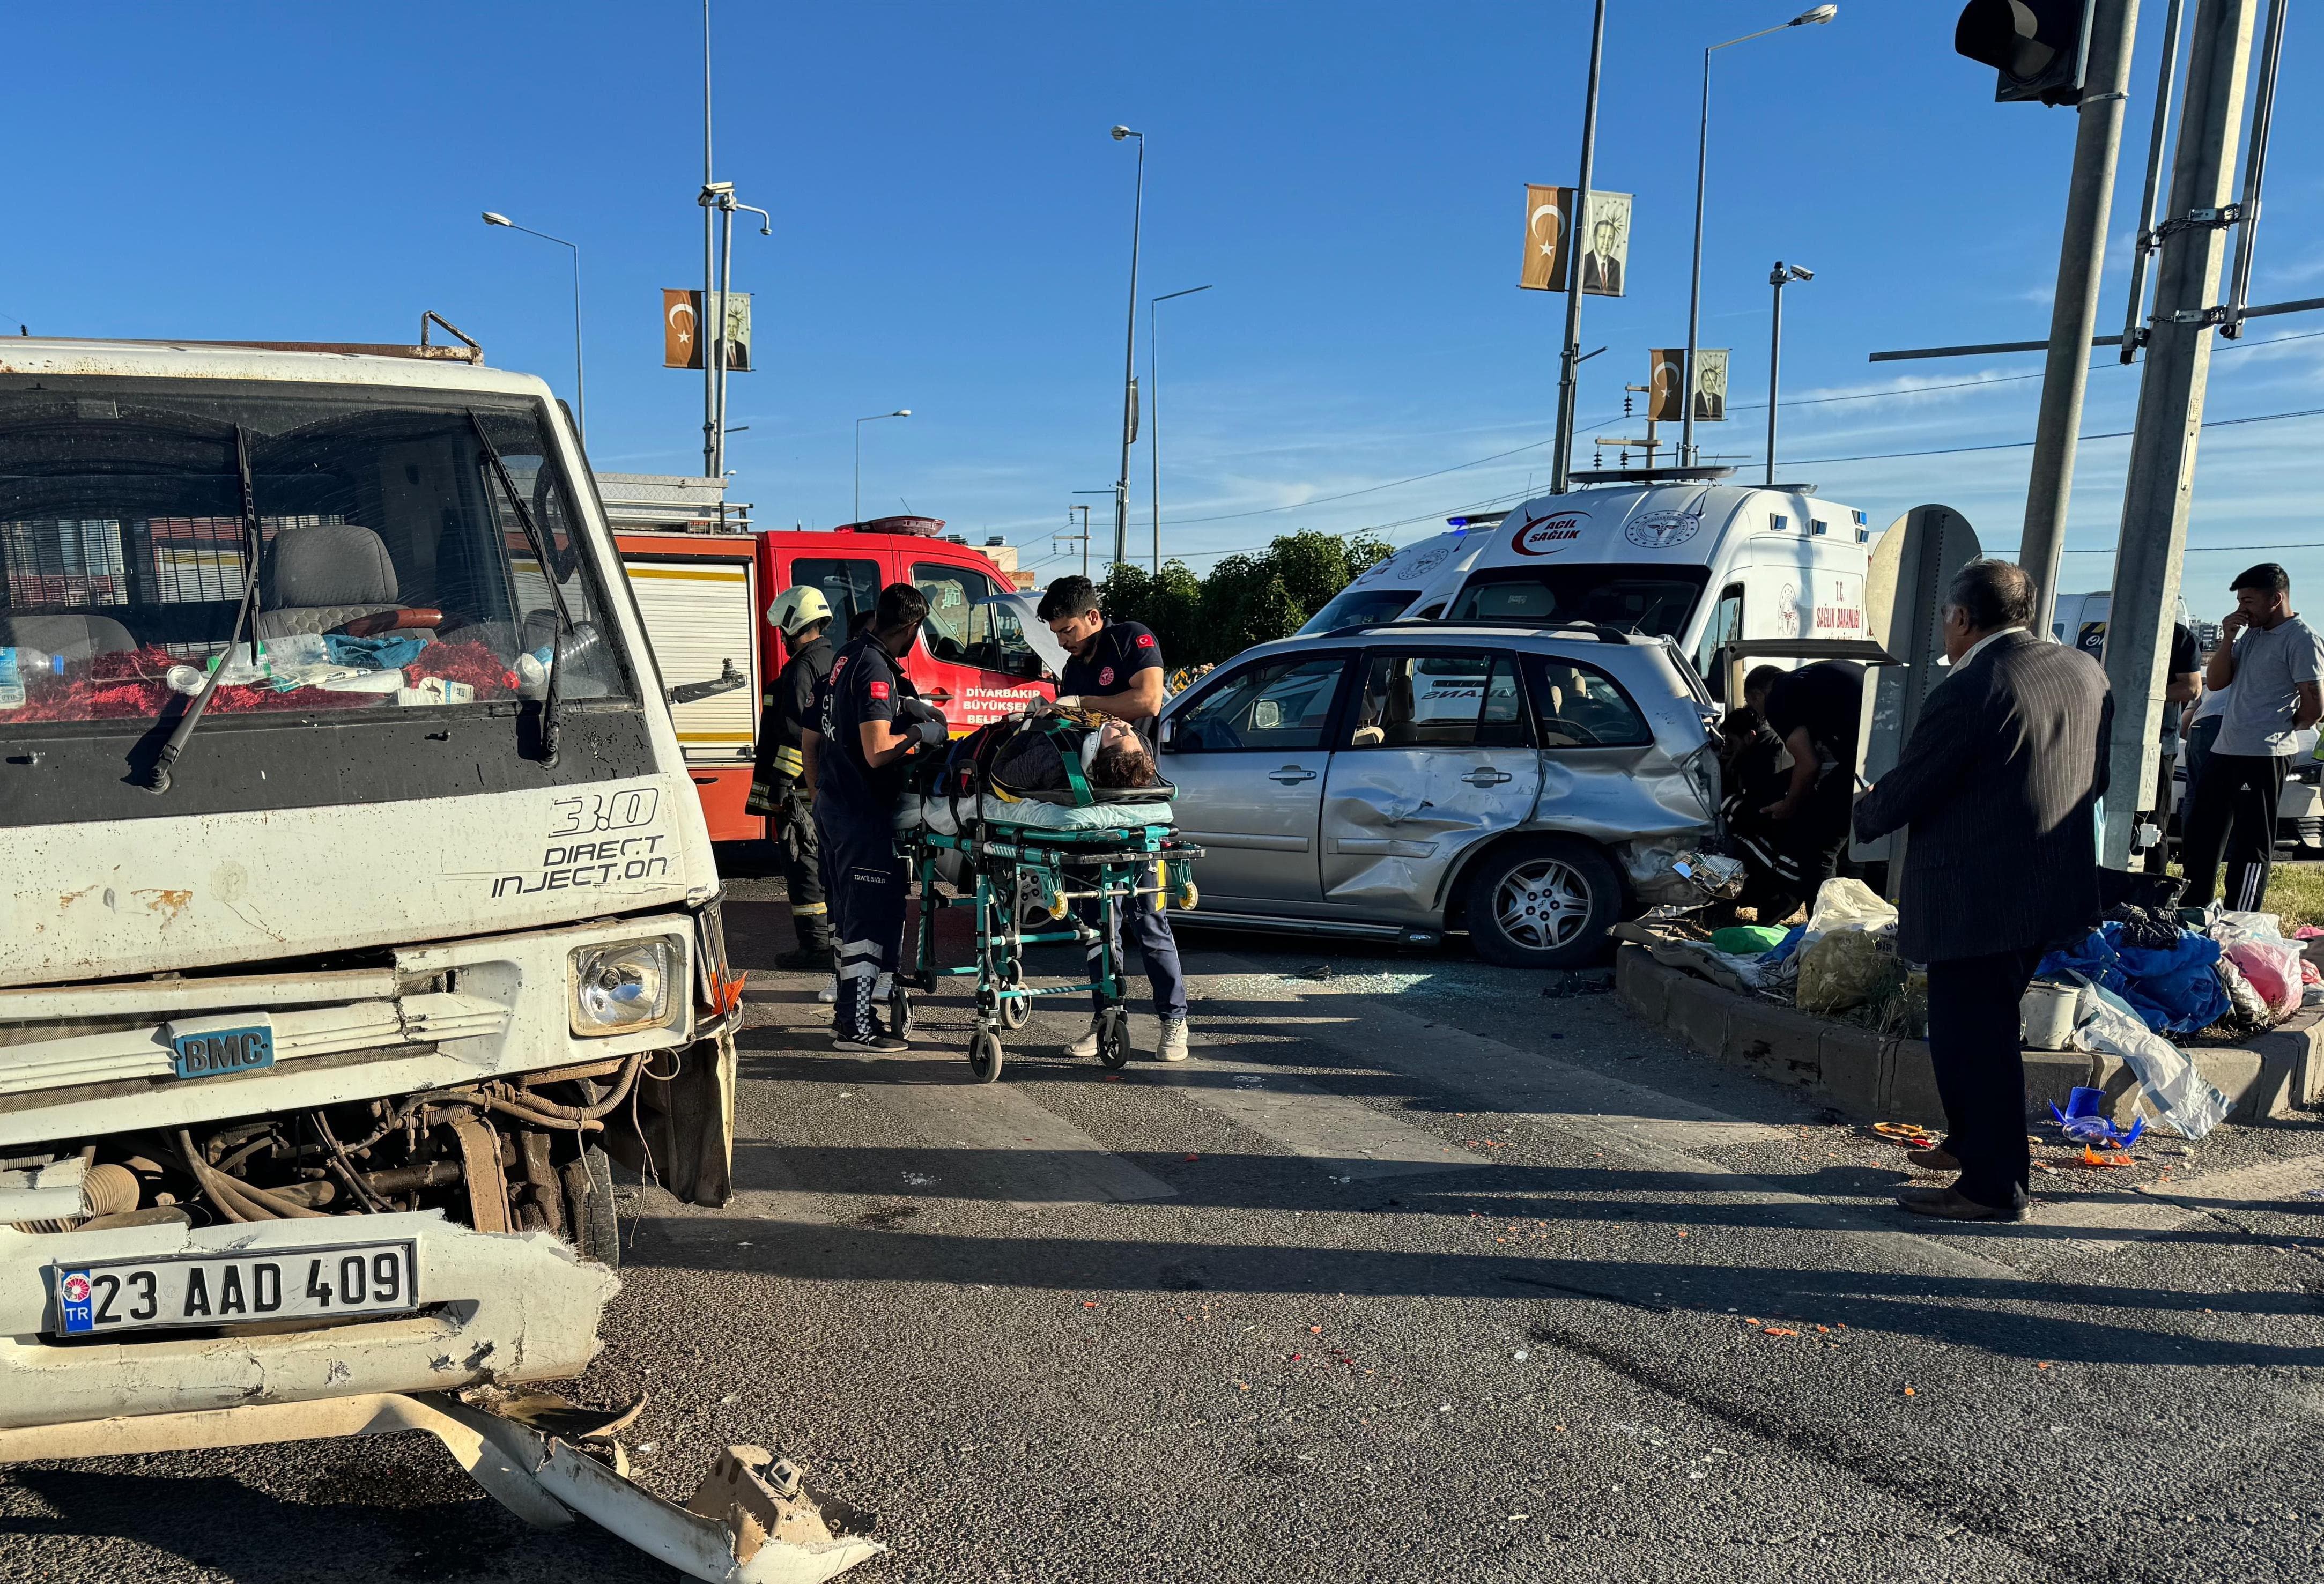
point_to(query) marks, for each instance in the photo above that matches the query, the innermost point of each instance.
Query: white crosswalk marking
(1351, 1138)
(1051, 1161)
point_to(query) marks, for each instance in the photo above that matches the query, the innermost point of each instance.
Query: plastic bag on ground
(1846, 968)
(2244, 1003)
(1846, 904)
(2173, 989)
(2188, 1102)
(1748, 940)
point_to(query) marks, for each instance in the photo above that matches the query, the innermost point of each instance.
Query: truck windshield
(393, 576)
(1653, 600)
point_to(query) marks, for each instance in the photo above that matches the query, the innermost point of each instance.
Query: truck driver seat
(313, 579)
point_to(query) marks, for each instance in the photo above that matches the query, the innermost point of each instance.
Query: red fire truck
(704, 588)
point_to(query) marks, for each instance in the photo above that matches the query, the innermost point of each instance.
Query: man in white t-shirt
(2276, 664)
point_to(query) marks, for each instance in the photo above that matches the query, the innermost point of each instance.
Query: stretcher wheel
(984, 1057)
(1016, 1011)
(899, 1011)
(1113, 1037)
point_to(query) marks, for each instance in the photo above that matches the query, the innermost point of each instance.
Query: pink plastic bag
(2274, 972)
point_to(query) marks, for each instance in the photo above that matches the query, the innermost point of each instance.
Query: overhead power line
(1893, 395)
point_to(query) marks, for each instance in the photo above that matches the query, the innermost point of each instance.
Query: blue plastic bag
(2174, 991)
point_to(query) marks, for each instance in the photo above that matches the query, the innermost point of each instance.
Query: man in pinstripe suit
(1998, 788)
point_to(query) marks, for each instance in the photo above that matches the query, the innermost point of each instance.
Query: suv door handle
(940, 696)
(1487, 776)
(1290, 774)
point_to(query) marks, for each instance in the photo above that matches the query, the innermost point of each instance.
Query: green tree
(1170, 604)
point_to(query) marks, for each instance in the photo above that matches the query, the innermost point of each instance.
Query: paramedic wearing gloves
(1116, 669)
(780, 785)
(873, 725)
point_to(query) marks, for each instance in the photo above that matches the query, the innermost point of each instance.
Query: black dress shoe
(1952, 1205)
(1935, 1158)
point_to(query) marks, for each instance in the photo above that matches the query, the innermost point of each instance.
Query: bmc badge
(1105, 678)
(1546, 536)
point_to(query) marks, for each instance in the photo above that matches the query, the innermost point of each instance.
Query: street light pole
(1154, 409)
(580, 381)
(873, 417)
(1128, 357)
(1781, 276)
(1822, 13)
(1569, 359)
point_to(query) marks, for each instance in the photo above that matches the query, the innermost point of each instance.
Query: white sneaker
(1173, 1040)
(1086, 1045)
(829, 994)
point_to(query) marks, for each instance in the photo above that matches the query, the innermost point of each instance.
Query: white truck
(356, 915)
(1703, 564)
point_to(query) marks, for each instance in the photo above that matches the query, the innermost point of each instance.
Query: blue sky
(951, 235)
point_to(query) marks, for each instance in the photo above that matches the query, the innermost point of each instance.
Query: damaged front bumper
(495, 1307)
(752, 1520)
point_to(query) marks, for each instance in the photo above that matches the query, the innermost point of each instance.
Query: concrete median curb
(1892, 1081)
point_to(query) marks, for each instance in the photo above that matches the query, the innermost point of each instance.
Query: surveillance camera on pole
(2041, 47)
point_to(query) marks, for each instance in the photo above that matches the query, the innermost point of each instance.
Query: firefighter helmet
(797, 607)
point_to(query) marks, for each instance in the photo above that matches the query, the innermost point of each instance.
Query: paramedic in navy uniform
(873, 725)
(1115, 668)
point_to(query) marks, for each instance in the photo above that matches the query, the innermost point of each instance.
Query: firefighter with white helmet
(780, 786)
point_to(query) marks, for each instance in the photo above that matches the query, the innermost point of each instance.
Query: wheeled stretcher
(1015, 856)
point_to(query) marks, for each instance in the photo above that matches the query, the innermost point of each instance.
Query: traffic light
(2040, 47)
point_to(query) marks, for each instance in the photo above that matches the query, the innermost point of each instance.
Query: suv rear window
(1577, 705)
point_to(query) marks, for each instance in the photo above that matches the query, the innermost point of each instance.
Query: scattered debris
(1319, 973)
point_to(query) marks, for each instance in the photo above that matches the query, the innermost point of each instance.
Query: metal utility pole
(705, 337)
(1128, 360)
(2074, 310)
(1570, 359)
(2155, 497)
(1154, 409)
(1781, 276)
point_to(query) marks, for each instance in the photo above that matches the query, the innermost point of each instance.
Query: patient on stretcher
(1112, 757)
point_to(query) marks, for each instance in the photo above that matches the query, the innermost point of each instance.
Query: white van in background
(1700, 564)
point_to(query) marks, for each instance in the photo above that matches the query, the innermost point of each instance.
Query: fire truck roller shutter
(699, 615)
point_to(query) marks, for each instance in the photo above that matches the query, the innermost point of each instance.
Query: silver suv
(1530, 784)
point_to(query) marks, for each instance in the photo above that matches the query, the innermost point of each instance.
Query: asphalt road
(1420, 1271)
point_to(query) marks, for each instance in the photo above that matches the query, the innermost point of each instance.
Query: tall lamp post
(580, 387)
(1154, 413)
(874, 417)
(1822, 13)
(1128, 358)
(1781, 276)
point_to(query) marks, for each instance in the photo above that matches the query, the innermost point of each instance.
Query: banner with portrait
(1549, 241)
(1709, 384)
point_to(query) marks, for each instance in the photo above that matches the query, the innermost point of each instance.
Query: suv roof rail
(1523, 623)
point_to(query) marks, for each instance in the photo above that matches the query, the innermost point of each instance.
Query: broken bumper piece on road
(752, 1520)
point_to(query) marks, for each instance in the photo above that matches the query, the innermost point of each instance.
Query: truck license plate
(199, 1050)
(145, 1294)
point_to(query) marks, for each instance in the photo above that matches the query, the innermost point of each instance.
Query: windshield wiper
(245, 608)
(553, 695)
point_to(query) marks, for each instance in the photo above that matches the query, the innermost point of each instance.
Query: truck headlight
(623, 985)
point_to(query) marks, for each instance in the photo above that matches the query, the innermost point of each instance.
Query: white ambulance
(1700, 564)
